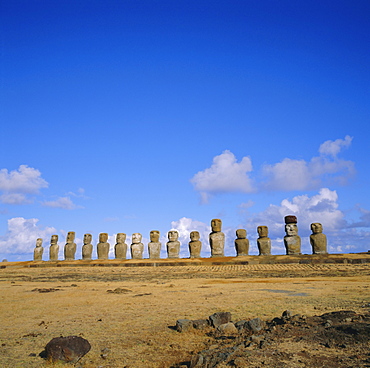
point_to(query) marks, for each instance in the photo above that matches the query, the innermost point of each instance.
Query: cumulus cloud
(224, 175)
(64, 203)
(20, 238)
(326, 168)
(17, 184)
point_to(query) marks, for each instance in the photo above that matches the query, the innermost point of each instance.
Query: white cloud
(327, 168)
(21, 236)
(62, 202)
(224, 175)
(17, 183)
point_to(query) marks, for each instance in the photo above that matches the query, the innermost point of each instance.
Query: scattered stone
(240, 324)
(119, 291)
(67, 349)
(219, 318)
(183, 325)
(200, 324)
(227, 329)
(255, 325)
(46, 290)
(287, 314)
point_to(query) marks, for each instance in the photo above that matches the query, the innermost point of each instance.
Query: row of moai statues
(292, 242)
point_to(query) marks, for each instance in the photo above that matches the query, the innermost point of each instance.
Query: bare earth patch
(132, 324)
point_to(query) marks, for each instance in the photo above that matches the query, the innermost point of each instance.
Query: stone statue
(154, 246)
(195, 245)
(292, 240)
(264, 242)
(137, 247)
(120, 249)
(318, 239)
(103, 246)
(54, 248)
(241, 243)
(87, 248)
(217, 239)
(173, 245)
(70, 247)
(38, 251)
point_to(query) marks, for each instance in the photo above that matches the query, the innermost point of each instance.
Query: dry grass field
(132, 328)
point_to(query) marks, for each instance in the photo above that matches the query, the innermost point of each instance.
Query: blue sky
(131, 116)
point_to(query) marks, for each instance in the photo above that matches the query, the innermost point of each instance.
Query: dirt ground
(128, 314)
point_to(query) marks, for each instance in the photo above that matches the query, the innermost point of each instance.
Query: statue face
(154, 236)
(70, 237)
(136, 238)
(241, 233)
(38, 242)
(263, 231)
(103, 237)
(173, 235)
(316, 228)
(291, 229)
(194, 236)
(87, 238)
(216, 225)
(120, 238)
(54, 239)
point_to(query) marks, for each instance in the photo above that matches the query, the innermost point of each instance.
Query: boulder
(219, 318)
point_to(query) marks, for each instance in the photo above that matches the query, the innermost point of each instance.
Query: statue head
(291, 229)
(38, 242)
(54, 239)
(194, 236)
(103, 237)
(216, 225)
(263, 231)
(154, 236)
(120, 238)
(71, 237)
(136, 238)
(241, 233)
(173, 235)
(87, 238)
(316, 228)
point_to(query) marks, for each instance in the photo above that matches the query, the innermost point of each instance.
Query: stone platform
(349, 258)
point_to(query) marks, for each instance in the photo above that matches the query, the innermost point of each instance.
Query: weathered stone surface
(137, 247)
(54, 248)
(120, 248)
(263, 242)
(227, 329)
(217, 239)
(154, 247)
(219, 318)
(318, 239)
(103, 246)
(183, 325)
(67, 349)
(173, 245)
(87, 248)
(38, 251)
(70, 247)
(292, 240)
(255, 325)
(241, 243)
(195, 245)
(200, 324)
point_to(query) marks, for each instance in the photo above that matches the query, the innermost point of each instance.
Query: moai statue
(241, 243)
(38, 251)
(264, 242)
(318, 239)
(292, 240)
(195, 245)
(217, 239)
(87, 248)
(137, 247)
(54, 248)
(120, 249)
(173, 245)
(70, 247)
(103, 246)
(154, 246)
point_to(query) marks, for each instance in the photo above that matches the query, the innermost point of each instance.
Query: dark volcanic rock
(255, 325)
(200, 324)
(219, 318)
(67, 349)
(183, 325)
